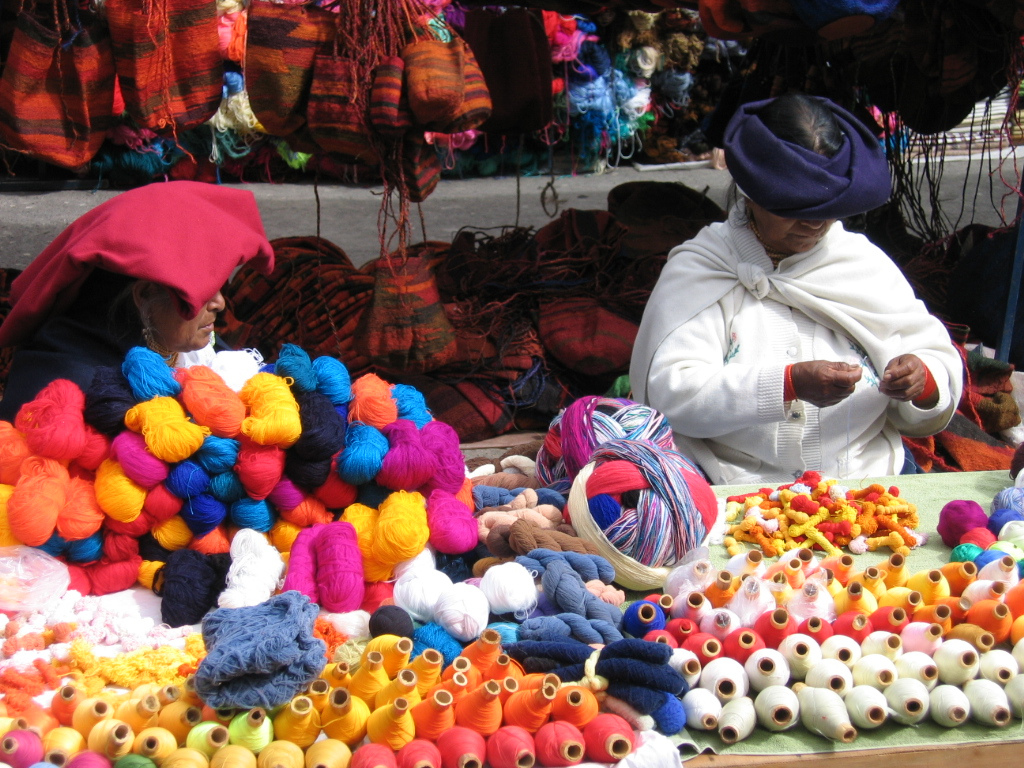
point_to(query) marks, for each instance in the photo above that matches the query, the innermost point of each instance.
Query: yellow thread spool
(318, 692)
(872, 579)
(233, 756)
(395, 651)
(369, 678)
(138, 713)
(338, 675)
(155, 743)
(13, 724)
(112, 738)
(61, 744)
(427, 666)
(298, 722)
(179, 717)
(189, 694)
(88, 713)
(895, 571)
(328, 753)
(280, 754)
(344, 718)
(184, 757)
(434, 715)
(856, 598)
(252, 730)
(391, 725)
(207, 737)
(403, 685)
(931, 584)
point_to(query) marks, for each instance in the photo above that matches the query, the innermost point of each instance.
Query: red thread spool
(665, 601)
(64, 702)
(816, 627)
(889, 619)
(461, 748)
(705, 646)
(853, 624)
(740, 643)
(419, 753)
(775, 626)
(511, 747)
(373, 756)
(661, 636)
(608, 738)
(559, 744)
(681, 629)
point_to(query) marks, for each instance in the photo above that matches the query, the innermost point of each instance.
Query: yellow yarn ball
(168, 433)
(402, 530)
(282, 535)
(273, 413)
(147, 570)
(7, 539)
(172, 533)
(118, 495)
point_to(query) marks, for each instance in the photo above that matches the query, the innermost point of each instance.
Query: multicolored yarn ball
(643, 507)
(590, 422)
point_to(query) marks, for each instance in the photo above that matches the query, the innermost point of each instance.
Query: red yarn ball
(983, 537)
(161, 504)
(119, 546)
(419, 753)
(106, 577)
(377, 594)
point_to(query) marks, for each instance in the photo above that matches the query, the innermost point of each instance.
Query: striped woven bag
(434, 80)
(476, 98)
(167, 59)
(337, 113)
(389, 108)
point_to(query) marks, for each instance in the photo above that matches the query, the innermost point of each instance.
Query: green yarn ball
(134, 761)
(1009, 548)
(963, 553)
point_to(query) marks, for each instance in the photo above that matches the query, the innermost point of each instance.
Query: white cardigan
(722, 324)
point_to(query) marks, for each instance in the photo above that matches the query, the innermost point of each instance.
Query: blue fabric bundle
(261, 656)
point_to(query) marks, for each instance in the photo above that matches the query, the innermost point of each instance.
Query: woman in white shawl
(777, 342)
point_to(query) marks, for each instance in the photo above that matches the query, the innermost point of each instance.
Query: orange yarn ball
(309, 512)
(81, 516)
(372, 402)
(37, 500)
(211, 402)
(13, 451)
(215, 542)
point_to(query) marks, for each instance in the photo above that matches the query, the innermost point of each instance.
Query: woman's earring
(151, 342)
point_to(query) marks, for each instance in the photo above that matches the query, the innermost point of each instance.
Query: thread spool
(373, 756)
(982, 640)
(801, 653)
(88, 713)
(21, 748)
(823, 712)
(64, 703)
(720, 623)
(957, 662)
(693, 608)
(330, 753)
(511, 747)
(853, 624)
(280, 754)
(139, 713)
(866, 706)
(393, 724)
(419, 753)
(480, 709)
(816, 628)
(1014, 691)
(345, 717)
(89, 759)
(921, 636)
(509, 686)
(574, 704)
(681, 629)
(484, 650)
(874, 670)
(777, 708)
(183, 757)
(559, 744)
(998, 666)
(434, 715)
(370, 678)
(298, 722)
(111, 738)
(641, 617)
(702, 709)
(394, 650)
(831, 674)
(889, 619)
(766, 667)
(179, 718)
(252, 730)
(989, 704)
(207, 737)
(959, 576)
(457, 685)
(775, 626)
(608, 738)
(155, 743)
(725, 677)
(984, 589)
(901, 597)
(931, 584)
(462, 748)
(918, 666)
(908, 701)
(233, 756)
(841, 647)
(529, 709)
(61, 744)
(337, 675)
(704, 646)
(740, 643)
(189, 694)
(737, 720)
(882, 643)
(992, 616)
(948, 706)
(318, 693)
(872, 579)
(687, 664)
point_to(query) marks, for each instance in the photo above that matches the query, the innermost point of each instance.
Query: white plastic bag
(30, 579)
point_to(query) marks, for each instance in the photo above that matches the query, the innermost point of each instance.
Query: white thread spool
(874, 670)
(1014, 691)
(689, 577)
(737, 720)
(801, 653)
(1004, 569)
(766, 667)
(983, 589)
(777, 708)
(884, 644)
(693, 607)
(998, 666)
(908, 699)
(823, 712)
(921, 636)
(831, 674)
(949, 706)
(724, 677)
(989, 705)
(744, 563)
(687, 664)
(866, 706)
(1018, 652)
(703, 709)
(720, 622)
(919, 666)
(751, 600)
(957, 662)
(841, 647)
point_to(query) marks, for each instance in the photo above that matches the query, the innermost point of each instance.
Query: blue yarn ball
(148, 374)
(434, 636)
(293, 362)
(1009, 498)
(267, 368)
(217, 454)
(605, 510)
(56, 545)
(1001, 517)
(187, 478)
(227, 487)
(86, 550)
(333, 380)
(411, 404)
(509, 631)
(372, 495)
(365, 448)
(202, 513)
(670, 717)
(234, 83)
(637, 627)
(988, 556)
(252, 513)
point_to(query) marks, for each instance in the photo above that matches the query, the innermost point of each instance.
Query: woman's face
(159, 311)
(788, 235)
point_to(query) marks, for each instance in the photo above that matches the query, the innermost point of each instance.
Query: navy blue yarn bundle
(107, 400)
(189, 583)
(261, 656)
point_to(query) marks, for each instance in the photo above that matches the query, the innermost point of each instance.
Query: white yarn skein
(998, 666)
(875, 670)
(949, 706)
(919, 666)
(724, 677)
(842, 647)
(355, 625)
(1014, 691)
(509, 588)
(703, 709)
(766, 667)
(989, 704)
(255, 572)
(866, 706)
(777, 708)
(237, 366)
(462, 610)
(417, 592)
(424, 561)
(909, 701)
(831, 674)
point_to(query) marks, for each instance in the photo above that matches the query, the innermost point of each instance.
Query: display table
(923, 746)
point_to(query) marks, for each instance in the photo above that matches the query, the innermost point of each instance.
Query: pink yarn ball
(88, 759)
(286, 495)
(408, 464)
(339, 567)
(442, 441)
(453, 529)
(957, 518)
(983, 537)
(139, 465)
(97, 449)
(301, 574)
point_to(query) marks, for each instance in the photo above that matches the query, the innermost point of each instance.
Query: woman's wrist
(788, 391)
(930, 394)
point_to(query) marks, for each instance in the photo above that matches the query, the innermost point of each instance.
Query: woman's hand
(824, 382)
(904, 379)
